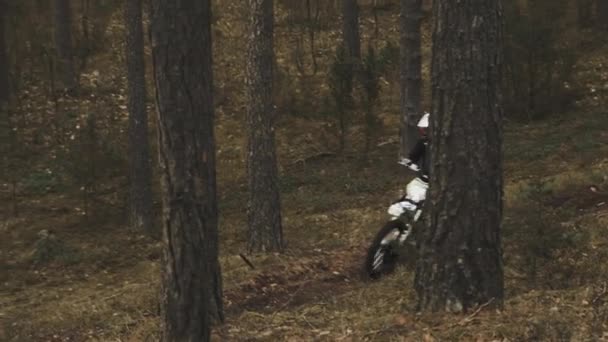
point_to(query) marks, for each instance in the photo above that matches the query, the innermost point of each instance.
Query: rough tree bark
(85, 44)
(410, 72)
(4, 78)
(181, 50)
(264, 207)
(140, 172)
(350, 29)
(460, 263)
(5, 129)
(585, 13)
(350, 36)
(63, 44)
(602, 14)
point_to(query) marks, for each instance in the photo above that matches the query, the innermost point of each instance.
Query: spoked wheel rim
(384, 254)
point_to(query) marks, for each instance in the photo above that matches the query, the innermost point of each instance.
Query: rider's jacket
(419, 157)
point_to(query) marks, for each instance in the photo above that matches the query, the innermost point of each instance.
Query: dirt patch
(298, 283)
(589, 198)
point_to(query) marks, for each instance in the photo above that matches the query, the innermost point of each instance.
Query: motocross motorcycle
(384, 251)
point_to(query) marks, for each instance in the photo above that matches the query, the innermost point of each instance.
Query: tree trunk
(350, 29)
(85, 48)
(585, 13)
(4, 75)
(460, 263)
(63, 44)
(265, 230)
(602, 14)
(312, 26)
(410, 72)
(181, 50)
(140, 172)
(5, 127)
(351, 44)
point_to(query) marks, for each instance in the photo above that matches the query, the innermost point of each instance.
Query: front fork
(409, 227)
(405, 234)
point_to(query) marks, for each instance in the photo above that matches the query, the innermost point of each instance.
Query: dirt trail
(326, 274)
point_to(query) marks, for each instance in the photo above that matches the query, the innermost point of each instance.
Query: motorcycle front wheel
(382, 255)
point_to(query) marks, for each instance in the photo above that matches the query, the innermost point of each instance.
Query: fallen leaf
(401, 320)
(428, 338)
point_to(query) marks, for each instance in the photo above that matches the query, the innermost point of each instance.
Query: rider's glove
(405, 162)
(413, 167)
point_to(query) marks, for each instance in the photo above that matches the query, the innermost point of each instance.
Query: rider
(417, 160)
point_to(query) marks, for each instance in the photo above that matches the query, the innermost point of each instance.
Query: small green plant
(41, 182)
(388, 58)
(50, 249)
(539, 235)
(539, 61)
(90, 157)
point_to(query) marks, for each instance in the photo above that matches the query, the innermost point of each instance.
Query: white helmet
(424, 120)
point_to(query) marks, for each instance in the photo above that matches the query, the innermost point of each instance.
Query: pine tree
(265, 228)
(63, 44)
(140, 171)
(460, 263)
(410, 72)
(181, 50)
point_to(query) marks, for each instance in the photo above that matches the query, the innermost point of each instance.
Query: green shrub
(542, 239)
(41, 182)
(388, 58)
(539, 60)
(51, 249)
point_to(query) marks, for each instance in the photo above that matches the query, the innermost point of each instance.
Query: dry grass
(118, 300)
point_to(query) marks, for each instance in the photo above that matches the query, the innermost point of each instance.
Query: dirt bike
(383, 254)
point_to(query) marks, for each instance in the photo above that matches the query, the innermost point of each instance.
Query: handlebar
(409, 164)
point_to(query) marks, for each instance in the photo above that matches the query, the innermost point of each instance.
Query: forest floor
(333, 207)
(103, 282)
